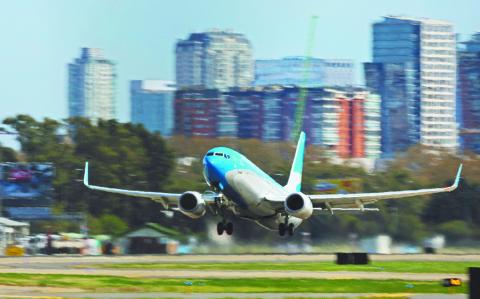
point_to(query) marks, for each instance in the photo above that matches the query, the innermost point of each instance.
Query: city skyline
(49, 33)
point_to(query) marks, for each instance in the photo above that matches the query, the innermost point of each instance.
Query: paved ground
(27, 292)
(57, 260)
(67, 264)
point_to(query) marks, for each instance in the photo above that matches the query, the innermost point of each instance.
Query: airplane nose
(207, 165)
(209, 169)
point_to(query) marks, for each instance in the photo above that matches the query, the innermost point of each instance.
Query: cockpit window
(219, 155)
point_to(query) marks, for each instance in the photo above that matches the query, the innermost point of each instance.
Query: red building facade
(351, 128)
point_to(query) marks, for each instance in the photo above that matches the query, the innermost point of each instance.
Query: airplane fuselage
(245, 186)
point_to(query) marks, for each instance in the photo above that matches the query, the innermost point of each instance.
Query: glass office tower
(414, 71)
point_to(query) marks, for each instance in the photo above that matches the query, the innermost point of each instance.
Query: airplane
(242, 189)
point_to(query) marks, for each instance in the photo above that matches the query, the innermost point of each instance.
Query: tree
(106, 224)
(455, 230)
(463, 204)
(7, 154)
(121, 155)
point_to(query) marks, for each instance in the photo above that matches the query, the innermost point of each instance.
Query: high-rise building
(248, 106)
(152, 104)
(214, 60)
(91, 86)
(396, 83)
(415, 58)
(346, 122)
(304, 72)
(204, 113)
(469, 91)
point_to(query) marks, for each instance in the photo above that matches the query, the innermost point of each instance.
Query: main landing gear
(224, 226)
(285, 227)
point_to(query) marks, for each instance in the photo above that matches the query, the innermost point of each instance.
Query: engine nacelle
(192, 204)
(299, 205)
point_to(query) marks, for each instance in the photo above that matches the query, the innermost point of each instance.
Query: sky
(40, 37)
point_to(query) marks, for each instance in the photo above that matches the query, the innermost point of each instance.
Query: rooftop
(419, 20)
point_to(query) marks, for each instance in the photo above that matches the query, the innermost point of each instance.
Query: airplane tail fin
(294, 183)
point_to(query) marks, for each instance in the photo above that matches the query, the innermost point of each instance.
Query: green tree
(455, 230)
(7, 154)
(121, 155)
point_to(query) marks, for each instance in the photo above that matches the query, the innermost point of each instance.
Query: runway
(80, 265)
(60, 261)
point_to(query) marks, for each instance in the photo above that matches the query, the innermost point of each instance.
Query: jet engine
(299, 205)
(192, 204)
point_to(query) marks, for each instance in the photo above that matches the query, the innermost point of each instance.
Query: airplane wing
(166, 199)
(358, 200)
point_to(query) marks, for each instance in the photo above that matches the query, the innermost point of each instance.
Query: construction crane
(302, 95)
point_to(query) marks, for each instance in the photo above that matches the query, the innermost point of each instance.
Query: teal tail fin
(294, 183)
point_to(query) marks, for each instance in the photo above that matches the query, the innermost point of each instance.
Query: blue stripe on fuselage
(216, 168)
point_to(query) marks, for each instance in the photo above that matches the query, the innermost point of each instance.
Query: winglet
(85, 175)
(457, 179)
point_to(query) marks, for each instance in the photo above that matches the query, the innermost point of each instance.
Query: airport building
(152, 104)
(305, 72)
(414, 72)
(214, 60)
(469, 91)
(91, 86)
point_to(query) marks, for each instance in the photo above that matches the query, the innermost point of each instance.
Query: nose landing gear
(222, 226)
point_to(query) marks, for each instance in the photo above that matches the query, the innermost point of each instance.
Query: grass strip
(257, 285)
(380, 266)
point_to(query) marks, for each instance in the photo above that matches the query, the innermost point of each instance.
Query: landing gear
(224, 227)
(283, 228)
(229, 228)
(290, 229)
(220, 228)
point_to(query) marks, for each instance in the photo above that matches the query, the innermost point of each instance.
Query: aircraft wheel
(220, 228)
(229, 228)
(281, 229)
(290, 229)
